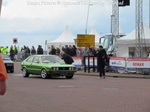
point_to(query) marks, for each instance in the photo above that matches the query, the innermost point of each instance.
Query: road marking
(108, 89)
(12, 74)
(66, 86)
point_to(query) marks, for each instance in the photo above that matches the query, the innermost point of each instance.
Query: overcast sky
(34, 21)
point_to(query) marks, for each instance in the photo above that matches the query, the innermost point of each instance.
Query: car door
(28, 64)
(36, 66)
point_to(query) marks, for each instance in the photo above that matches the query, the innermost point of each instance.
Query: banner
(77, 62)
(140, 64)
(117, 63)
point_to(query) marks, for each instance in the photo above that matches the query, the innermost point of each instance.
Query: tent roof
(97, 36)
(131, 36)
(65, 37)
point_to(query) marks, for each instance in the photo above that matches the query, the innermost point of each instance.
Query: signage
(123, 3)
(85, 40)
(15, 40)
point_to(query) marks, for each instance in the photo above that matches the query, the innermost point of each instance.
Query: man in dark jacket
(39, 49)
(101, 58)
(67, 58)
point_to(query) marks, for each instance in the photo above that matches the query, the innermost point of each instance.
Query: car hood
(59, 65)
(8, 61)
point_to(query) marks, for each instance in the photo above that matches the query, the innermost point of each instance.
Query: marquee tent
(127, 44)
(97, 36)
(66, 38)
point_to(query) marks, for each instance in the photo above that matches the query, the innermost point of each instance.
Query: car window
(30, 59)
(36, 59)
(5, 57)
(53, 59)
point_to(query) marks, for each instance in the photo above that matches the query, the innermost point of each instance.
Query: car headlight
(70, 68)
(55, 68)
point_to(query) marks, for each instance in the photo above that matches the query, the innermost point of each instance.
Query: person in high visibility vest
(15, 49)
(2, 49)
(3, 77)
(6, 50)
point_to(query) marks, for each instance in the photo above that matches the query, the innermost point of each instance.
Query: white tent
(66, 38)
(127, 44)
(97, 36)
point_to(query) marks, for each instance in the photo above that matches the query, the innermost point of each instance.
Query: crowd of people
(65, 51)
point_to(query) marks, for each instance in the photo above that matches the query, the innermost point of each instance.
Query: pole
(0, 6)
(149, 13)
(87, 17)
(45, 46)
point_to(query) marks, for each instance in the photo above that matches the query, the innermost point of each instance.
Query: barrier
(117, 63)
(90, 62)
(120, 64)
(77, 62)
(139, 65)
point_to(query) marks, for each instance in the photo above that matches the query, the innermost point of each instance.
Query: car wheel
(69, 76)
(25, 73)
(44, 74)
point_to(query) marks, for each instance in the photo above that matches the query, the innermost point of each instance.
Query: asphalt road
(80, 94)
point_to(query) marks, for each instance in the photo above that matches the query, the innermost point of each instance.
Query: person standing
(101, 58)
(33, 51)
(3, 77)
(40, 50)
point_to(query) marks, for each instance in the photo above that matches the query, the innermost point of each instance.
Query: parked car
(9, 64)
(48, 66)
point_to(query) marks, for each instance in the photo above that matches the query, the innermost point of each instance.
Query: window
(36, 59)
(30, 59)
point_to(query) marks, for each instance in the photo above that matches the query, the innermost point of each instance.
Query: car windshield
(5, 57)
(54, 59)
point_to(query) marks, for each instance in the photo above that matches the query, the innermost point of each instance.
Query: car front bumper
(63, 71)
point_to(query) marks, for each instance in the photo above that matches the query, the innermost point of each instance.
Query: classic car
(48, 66)
(9, 64)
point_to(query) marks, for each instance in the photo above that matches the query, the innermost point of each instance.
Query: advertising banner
(77, 62)
(118, 63)
(135, 64)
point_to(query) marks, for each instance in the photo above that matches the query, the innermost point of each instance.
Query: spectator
(101, 58)
(53, 50)
(67, 58)
(33, 51)
(39, 49)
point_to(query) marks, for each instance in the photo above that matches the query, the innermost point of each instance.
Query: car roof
(44, 55)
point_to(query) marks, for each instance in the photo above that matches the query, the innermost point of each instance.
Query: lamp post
(0, 6)
(87, 17)
(112, 18)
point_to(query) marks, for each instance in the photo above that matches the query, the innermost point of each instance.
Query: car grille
(9, 65)
(63, 68)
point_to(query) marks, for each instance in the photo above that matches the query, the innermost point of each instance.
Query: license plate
(9, 64)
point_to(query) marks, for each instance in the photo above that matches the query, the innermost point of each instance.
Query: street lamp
(87, 16)
(112, 19)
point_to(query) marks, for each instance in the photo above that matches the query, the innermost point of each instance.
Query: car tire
(25, 73)
(69, 76)
(44, 74)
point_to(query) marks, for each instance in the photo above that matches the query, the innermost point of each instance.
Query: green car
(47, 66)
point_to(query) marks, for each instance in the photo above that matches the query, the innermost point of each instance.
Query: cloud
(48, 18)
